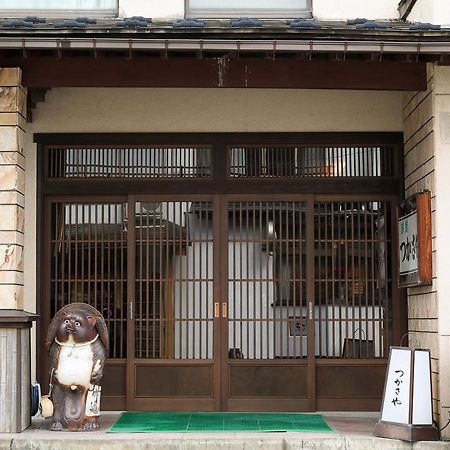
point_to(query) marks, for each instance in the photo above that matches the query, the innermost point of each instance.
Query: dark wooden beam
(39, 72)
(309, 138)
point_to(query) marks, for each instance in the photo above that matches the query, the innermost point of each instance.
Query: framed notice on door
(414, 241)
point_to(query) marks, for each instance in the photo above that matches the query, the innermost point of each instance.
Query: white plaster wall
(193, 299)
(247, 300)
(252, 299)
(156, 9)
(203, 110)
(322, 9)
(422, 11)
(352, 9)
(442, 12)
(185, 110)
(431, 11)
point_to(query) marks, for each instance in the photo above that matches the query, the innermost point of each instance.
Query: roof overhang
(309, 46)
(250, 59)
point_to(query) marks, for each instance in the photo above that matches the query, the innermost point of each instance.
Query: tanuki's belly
(75, 366)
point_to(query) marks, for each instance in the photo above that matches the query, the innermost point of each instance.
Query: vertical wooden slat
(140, 284)
(208, 268)
(177, 211)
(69, 259)
(350, 332)
(55, 251)
(124, 278)
(195, 276)
(259, 264)
(201, 241)
(318, 275)
(270, 289)
(330, 288)
(360, 247)
(374, 217)
(253, 274)
(113, 323)
(131, 291)
(310, 297)
(233, 338)
(368, 247)
(188, 282)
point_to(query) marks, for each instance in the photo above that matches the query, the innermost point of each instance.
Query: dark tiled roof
(69, 24)
(18, 24)
(246, 22)
(35, 19)
(371, 25)
(132, 23)
(356, 27)
(189, 23)
(423, 26)
(304, 23)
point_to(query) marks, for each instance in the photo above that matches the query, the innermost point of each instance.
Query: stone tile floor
(352, 431)
(360, 424)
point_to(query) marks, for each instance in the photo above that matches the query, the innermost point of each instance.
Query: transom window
(253, 8)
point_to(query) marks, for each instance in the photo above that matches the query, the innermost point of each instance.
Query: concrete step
(352, 431)
(204, 441)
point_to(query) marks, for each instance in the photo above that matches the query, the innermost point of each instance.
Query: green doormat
(144, 422)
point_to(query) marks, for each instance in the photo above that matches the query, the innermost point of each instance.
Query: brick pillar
(12, 187)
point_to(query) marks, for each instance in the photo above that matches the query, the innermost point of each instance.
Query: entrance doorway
(225, 300)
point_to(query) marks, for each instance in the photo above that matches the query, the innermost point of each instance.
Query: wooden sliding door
(173, 336)
(235, 271)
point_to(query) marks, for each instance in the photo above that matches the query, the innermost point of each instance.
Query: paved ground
(353, 431)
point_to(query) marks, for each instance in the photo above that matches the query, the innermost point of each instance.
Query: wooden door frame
(131, 290)
(309, 403)
(45, 276)
(218, 186)
(140, 403)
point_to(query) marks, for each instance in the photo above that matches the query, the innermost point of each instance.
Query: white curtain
(51, 5)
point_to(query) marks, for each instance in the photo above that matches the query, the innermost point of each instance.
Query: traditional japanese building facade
(224, 190)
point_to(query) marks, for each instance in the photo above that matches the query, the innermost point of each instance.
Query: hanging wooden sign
(414, 241)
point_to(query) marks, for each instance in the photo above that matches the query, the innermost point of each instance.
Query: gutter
(213, 45)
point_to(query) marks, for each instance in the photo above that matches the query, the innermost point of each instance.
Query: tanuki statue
(78, 345)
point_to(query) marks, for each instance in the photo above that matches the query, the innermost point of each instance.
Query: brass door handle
(216, 310)
(224, 310)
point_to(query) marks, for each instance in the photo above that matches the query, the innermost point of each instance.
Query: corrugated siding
(419, 164)
(9, 376)
(14, 379)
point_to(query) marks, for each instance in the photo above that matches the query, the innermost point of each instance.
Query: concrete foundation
(352, 431)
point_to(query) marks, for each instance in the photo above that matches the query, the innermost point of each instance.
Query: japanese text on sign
(397, 393)
(408, 248)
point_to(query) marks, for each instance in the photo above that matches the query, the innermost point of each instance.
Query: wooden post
(15, 370)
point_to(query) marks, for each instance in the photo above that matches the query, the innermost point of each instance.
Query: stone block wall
(426, 117)
(441, 110)
(12, 187)
(420, 174)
